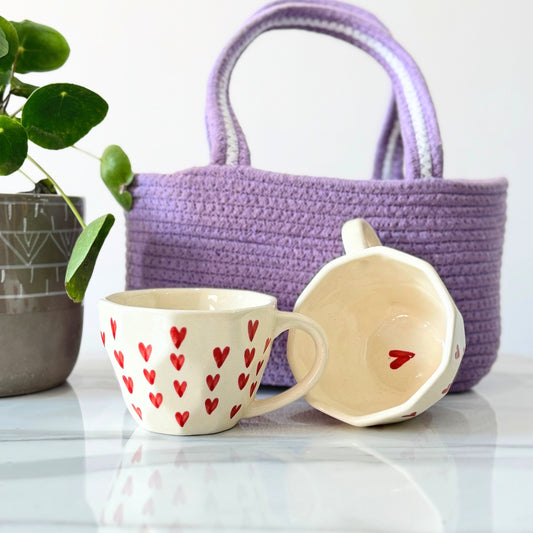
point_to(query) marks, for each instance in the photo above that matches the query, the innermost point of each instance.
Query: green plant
(55, 116)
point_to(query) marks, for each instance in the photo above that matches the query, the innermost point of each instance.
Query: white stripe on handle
(390, 151)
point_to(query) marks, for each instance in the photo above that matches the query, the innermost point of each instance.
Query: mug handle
(285, 321)
(357, 235)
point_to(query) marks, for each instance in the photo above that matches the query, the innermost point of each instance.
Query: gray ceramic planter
(40, 327)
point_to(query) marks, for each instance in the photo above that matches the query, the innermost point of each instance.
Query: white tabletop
(72, 459)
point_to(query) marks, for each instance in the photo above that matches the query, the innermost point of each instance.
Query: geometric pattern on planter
(37, 235)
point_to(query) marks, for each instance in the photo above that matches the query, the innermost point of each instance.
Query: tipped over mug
(190, 361)
(395, 336)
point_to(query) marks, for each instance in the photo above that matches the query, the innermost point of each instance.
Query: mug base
(183, 432)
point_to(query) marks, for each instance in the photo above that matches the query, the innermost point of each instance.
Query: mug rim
(390, 253)
(269, 300)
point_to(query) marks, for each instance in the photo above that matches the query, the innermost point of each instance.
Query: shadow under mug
(189, 360)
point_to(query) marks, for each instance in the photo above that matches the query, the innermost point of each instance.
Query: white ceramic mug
(189, 361)
(395, 336)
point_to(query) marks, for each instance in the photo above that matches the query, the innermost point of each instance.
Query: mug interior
(386, 325)
(193, 299)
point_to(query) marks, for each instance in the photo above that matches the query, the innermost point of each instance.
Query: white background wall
(150, 60)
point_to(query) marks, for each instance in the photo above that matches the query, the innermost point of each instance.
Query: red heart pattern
(211, 405)
(234, 410)
(155, 481)
(150, 376)
(119, 356)
(249, 356)
(119, 514)
(243, 380)
(146, 351)
(180, 388)
(138, 411)
(410, 415)
(102, 336)
(447, 389)
(181, 418)
(149, 507)
(400, 358)
(156, 399)
(252, 388)
(457, 352)
(252, 328)
(220, 355)
(212, 381)
(128, 486)
(177, 336)
(177, 361)
(267, 344)
(129, 383)
(139, 452)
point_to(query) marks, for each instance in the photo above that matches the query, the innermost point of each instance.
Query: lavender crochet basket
(231, 225)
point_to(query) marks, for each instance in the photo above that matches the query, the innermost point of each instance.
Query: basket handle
(418, 125)
(388, 161)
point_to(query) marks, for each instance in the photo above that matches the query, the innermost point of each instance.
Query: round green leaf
(41, 48)
(115, 170)
(13, 145)
(4, 45)
(84, 254)
(9, 44)
(58, 115)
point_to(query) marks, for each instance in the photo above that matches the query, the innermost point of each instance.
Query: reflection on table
(298, 466)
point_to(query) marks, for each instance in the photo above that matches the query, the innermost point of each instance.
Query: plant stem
(85, 152)
(26, 176)
(60, 191)
(11, 74)
(13, 70)
(16, 112)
